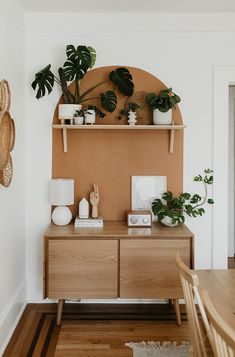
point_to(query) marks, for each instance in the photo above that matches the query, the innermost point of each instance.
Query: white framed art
(144, 189)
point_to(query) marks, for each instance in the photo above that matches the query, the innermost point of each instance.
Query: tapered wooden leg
(177, 311)
(59, 311)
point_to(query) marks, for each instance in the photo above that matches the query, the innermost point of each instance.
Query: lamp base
(61, 215)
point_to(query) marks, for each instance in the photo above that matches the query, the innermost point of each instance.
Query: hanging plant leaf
(93, 56)
(123, 79)
(78, 62)
(109, 101)
(44, 80)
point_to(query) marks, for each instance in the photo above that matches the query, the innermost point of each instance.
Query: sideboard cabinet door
(148, 268)
(81, 268)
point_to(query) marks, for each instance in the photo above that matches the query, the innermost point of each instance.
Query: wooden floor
(91, 331)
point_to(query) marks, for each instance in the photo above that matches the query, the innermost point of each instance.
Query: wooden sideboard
(115, 262)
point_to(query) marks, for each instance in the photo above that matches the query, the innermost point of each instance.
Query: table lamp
(61, 194)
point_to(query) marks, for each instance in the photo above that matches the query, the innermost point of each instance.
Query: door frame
(223, 77)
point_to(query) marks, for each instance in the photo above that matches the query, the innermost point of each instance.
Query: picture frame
(144, 189)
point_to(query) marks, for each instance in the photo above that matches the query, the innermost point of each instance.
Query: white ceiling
(130, 6)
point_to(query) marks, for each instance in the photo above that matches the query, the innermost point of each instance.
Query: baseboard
(11, 315)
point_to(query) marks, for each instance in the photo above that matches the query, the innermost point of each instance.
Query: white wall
(12, 199)
(231, 171)
(181, 50)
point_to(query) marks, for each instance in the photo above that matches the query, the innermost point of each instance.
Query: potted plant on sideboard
(79, 60)
(171, 209)
(162, 104)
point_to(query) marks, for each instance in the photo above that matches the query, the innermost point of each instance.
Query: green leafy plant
(131, 106)
(97, 111)
(79, 60)
(176, 207)
(163, 101)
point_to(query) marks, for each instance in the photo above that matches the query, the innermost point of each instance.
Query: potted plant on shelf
(79, 117)
(79, 60)
(90, 114)
(162, 104)
(171, 209)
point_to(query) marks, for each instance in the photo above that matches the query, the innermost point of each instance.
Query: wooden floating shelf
(171, 128)
(117, 127)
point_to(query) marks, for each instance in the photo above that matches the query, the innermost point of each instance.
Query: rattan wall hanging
(7, 135)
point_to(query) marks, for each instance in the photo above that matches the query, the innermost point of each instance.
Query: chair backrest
(223, 336)
(189, 282)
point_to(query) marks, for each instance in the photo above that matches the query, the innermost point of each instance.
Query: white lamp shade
(61, 192)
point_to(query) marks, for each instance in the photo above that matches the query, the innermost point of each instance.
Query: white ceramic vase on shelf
(132, 118)
(90, 116)
(78, 120)
(160, 118)
(67, 111)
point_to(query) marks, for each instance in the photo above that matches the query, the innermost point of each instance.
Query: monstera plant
(79, 60)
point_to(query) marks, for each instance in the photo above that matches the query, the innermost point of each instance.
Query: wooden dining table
(220, 285)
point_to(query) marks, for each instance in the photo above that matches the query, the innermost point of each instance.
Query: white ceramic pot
(90, 116)
(78, 120)
(67, 111)
(160, 118)
(167, 221)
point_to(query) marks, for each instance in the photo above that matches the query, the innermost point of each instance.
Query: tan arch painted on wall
(109, 158)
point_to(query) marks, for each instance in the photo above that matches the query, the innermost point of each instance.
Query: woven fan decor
(5, 96)
(6, 129)
(144, 114)
(7, 135)
(6, 173)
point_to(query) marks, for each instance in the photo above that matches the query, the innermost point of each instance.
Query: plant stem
(205, 197)
(77, 92)
(84, 100)
(92, 88)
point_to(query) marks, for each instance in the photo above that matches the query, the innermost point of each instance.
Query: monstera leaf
(93, 56)
(78, 62)
(123, 79)
(108, 101)
(44, 80)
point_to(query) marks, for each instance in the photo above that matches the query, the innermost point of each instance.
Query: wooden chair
(189, 282)
(223, 336)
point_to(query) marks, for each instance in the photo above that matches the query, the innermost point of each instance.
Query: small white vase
(90, 116)
(83, 208)
(132, 118)
(67, 111)
(160, 118)
(78, 120)
(167, 221)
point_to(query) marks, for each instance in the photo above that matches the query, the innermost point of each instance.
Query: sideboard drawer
(148, 267)
(81, 268)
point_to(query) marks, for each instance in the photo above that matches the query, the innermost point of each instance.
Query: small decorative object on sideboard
(170, 209)
(83, 208)
(89, 222)
(94, 200)
(79, 60)
(162, 105)
(139, 218)
(61, 194)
